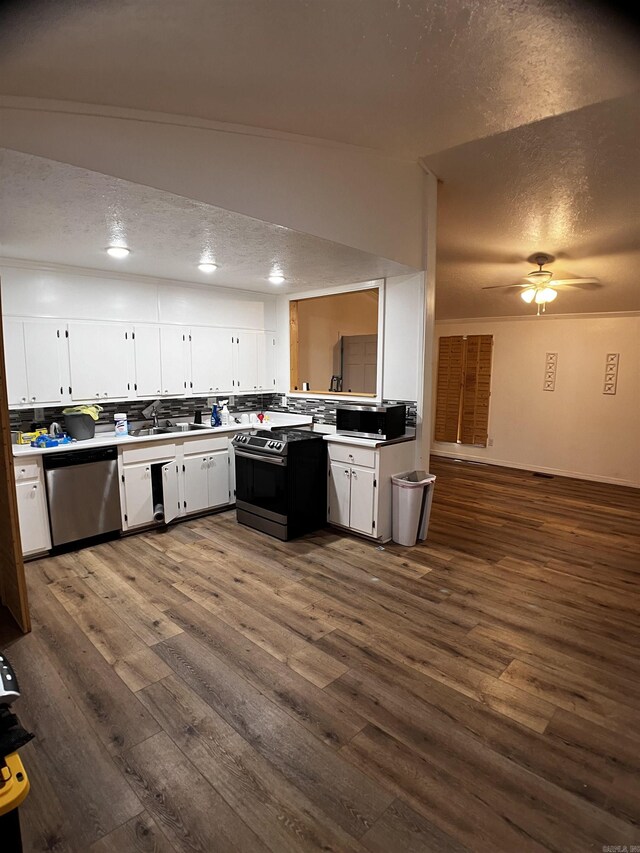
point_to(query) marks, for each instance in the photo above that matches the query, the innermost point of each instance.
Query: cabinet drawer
(149, 453)
(27, 470)
(206, 445)
(352, 455)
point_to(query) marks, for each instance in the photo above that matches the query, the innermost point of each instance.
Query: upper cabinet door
(148, 374)
(98, 360)
(173, 360)
(42, 343)
(247, 361)
(266, 344)
(211, 360)
(15, 363)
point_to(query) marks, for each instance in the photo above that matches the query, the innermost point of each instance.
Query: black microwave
(382, 422)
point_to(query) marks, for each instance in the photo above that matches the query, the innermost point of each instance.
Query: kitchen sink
(150, 431)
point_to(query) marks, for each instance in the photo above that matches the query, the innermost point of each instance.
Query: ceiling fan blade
(590, 283)
(504, 286)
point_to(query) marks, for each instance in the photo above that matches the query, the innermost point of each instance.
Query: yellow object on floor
(14, 785)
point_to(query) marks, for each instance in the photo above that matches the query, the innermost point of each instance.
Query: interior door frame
(13, 586)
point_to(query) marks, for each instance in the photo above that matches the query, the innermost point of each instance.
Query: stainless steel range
(281, 481)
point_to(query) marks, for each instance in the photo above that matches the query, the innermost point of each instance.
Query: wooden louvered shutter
(449, 387)
(474, 422)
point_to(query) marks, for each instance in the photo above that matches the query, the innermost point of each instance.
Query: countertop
(109, 438)
(410, 435)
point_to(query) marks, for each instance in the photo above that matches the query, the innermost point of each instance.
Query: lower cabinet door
(170, 491)
(219, 478)
(339, 494)
(196, 483)
(34, 521)
(138, 495)
(362, 501)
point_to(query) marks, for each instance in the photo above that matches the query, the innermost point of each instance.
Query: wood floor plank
(111, 708)
(79, 769)
(402, 829)
(135, 663)
(478, 691)
(329, 719)
(347, 796)
(276, 639)
(135, 610)
(138, 835)
(480, 808)
(280, 815)
(190, 812)
(567, 690)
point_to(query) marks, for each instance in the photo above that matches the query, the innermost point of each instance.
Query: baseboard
(559, 472)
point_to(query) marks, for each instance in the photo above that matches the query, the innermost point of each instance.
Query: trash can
(80, 426)
(412, 496)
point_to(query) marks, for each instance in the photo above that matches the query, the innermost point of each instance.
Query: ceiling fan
(539, 286)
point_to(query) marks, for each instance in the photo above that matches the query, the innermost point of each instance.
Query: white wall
(350, 195)
(402, 353)
(575, 430)
(76, 296)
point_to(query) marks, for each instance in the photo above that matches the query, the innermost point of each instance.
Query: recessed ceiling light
(276, 278)
(207, 266)
(118, 251)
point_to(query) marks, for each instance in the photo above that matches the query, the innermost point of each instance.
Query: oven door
(261, 484)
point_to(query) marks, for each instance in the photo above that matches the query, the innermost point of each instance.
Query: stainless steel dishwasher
(84, 499)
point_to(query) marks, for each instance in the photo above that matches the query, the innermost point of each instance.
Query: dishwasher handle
(67, 458)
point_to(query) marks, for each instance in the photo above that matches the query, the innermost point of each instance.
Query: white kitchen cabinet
(15, 362)
(138, 496)
(173, 343)
(211, 360)
(32, 507)
(33, 361)
(254, 361)
(339, 494)
(266, 369)
(170, 493)
(147, 364)
(246, 361)
(360, 492)
(196, 483)
(352, 497)
(206, 481)
(98, 361)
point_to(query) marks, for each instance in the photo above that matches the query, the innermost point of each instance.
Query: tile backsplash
(322, 411)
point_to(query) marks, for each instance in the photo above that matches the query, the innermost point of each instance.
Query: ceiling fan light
(549, 294)
(528, 294)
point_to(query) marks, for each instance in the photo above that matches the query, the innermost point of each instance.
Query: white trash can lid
(413, 479)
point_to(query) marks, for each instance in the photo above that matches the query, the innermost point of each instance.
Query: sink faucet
(151, 411)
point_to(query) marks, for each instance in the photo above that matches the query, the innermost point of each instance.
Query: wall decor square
(611, 372)
(550, 365)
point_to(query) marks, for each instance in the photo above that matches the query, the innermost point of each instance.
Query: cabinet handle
(33, 399)
(350, 455)
(24, 399)
(158, 391)
(165, 391)
(346, 471)
(35, 488)
(354, 474)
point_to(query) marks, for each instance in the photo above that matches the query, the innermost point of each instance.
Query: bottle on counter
(224, 414)
(122, 427)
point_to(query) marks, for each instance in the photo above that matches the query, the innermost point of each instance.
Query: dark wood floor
(210, 688)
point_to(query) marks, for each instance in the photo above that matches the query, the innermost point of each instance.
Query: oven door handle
(261, 457)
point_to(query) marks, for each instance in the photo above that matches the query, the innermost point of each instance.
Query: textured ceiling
(57, 213)
(407, 76)
(568, 186)
(525, 109)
